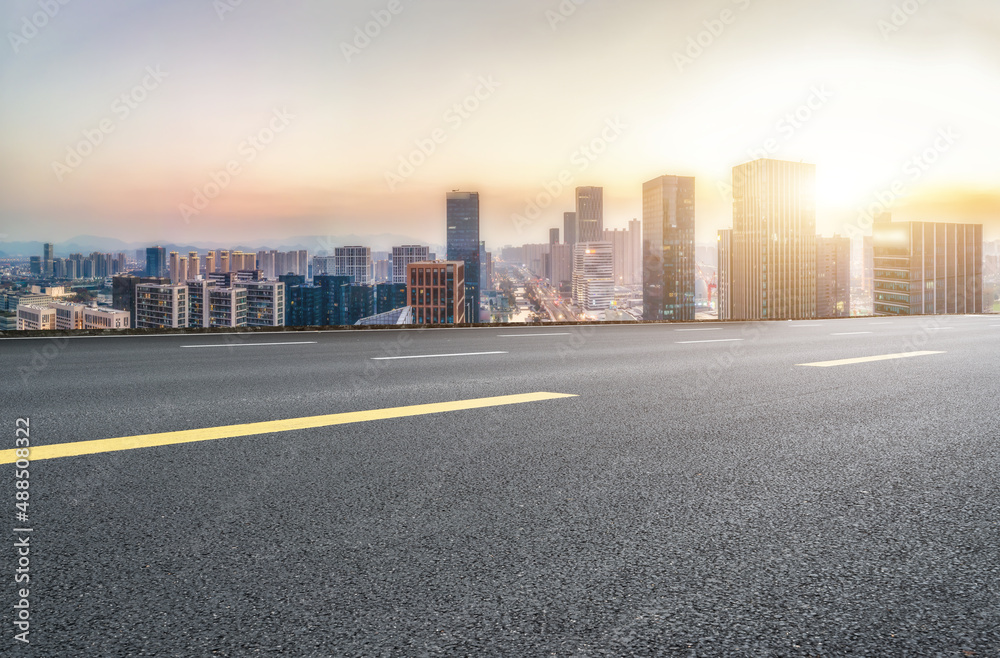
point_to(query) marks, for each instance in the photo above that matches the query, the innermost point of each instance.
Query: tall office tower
(194, 265)
(389, 297)
(724, 292)
(668, 217)
(210, 263)
(161, 306)
(156, 262)
(774, 240)
(833, 277)
(633, 254)
(484, 269)
(589, 214)
(463, 245)
(403, 256)
(928, 268)
(436, 292)
(619, 244)
(355, 262)
(48, 254)
(559, 264)
(36, 265)
(223, 265)
(553, 236)
(593, 276)
(569, 227)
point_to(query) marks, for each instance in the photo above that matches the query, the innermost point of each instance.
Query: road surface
(728, 490)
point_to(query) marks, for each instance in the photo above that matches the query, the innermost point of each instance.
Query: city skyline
(888, 107)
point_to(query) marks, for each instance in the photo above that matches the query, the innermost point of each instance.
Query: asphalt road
(694, 499)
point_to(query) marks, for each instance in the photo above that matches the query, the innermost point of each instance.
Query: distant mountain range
(86, 244)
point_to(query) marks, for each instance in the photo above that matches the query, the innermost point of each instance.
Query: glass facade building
(463, 245)
(668, 248)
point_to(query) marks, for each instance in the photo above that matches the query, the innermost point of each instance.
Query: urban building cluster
(770, 265)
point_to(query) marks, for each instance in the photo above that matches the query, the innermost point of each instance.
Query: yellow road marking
(59, 450)
(867, 359)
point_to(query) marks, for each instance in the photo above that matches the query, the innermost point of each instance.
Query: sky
(255, 120)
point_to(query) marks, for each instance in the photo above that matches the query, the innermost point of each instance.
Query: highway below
(765, 489)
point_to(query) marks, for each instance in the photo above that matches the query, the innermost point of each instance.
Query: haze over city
(318, 123)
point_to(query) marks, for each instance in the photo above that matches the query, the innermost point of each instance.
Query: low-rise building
(35, 318)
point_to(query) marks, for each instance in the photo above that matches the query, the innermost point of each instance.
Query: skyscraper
(589, 214)
(928, 268)
(774, 241)
(463, 245)
(194, 265)
(593, 270)
(569, 227)
(724, 293)
(48, 255)
(668, 217)
(156, 262)
(833, 277)
(553, 236)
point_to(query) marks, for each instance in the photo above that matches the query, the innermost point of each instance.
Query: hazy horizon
(874, 87)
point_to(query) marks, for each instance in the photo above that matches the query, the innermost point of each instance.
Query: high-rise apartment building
(463, 245)
(668, 220)
(437, 292)
(193, 265)
(927, 268)
(161, 306)
(210, 264)
(833, 277)
(589, 214)
(403, 256)
(593, 276)
(265, 303)
(774, 241)
(354, 262)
